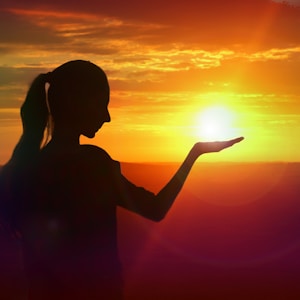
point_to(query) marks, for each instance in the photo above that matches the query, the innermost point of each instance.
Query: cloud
(154, 45)
(17, 30)
(274, 54)
(209, 24)
(107, 28)
(290, 2)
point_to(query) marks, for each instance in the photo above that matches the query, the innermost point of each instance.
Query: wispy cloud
(290, 2)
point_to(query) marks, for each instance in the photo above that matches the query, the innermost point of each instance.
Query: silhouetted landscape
(233, 233)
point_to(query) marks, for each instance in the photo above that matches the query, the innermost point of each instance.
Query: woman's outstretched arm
(155, 207)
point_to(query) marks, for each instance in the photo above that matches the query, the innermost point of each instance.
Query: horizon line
(204, 162)
(214, 162)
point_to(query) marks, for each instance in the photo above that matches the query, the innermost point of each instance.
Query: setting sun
(216, 123)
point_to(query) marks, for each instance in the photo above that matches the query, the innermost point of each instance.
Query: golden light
(216, 123)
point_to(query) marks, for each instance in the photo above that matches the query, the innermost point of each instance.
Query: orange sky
(167, 61)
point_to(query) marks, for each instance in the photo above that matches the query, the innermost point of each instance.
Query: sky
(168, 64)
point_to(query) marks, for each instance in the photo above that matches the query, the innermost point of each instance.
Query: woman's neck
(65, 138)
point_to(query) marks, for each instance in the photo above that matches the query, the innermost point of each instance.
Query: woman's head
(78, 96)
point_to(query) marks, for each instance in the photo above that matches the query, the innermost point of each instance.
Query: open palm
(209, 147)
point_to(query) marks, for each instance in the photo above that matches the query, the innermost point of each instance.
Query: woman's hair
(34, 116)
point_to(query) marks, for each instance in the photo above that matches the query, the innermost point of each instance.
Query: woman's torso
(67, 218)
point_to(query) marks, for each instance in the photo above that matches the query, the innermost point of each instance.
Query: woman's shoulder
(96, 154)
(93, 150)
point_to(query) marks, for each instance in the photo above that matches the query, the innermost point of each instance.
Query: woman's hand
(209, 147)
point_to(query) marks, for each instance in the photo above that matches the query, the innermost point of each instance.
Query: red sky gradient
(166, 61)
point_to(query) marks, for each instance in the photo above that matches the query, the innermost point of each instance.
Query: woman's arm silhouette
(155, 207)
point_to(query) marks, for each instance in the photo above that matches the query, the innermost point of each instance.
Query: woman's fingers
(207, 147)
(232, 142)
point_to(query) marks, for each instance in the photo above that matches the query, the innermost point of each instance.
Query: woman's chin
(89, 135)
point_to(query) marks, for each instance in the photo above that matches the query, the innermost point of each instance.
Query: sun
(216, 123)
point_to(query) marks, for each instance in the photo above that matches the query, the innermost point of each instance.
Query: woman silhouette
(61, 197)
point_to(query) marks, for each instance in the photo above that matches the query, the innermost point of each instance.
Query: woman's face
(94, 113)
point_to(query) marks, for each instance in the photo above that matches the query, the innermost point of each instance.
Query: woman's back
(67, 217)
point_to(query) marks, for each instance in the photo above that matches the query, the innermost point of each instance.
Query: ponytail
(34, 115)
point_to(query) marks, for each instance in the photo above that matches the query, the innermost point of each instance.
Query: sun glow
(216, 123)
